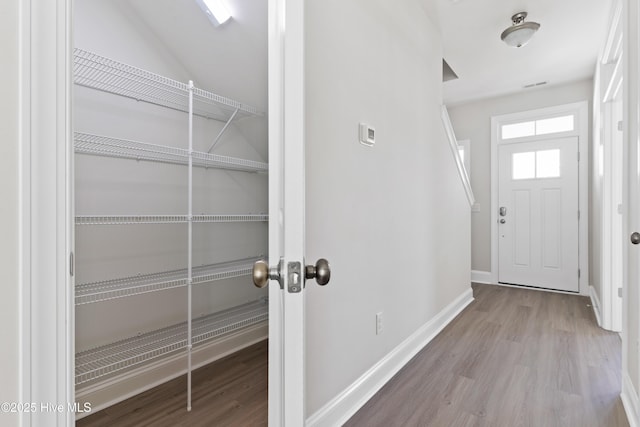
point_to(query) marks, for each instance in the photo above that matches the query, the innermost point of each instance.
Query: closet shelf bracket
(215, 141)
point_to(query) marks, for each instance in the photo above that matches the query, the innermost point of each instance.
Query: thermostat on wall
(367, 135)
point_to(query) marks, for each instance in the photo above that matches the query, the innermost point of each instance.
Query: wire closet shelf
(88, 293)
(107, 75)
(114, 358)
(97, 145)
(165, 219)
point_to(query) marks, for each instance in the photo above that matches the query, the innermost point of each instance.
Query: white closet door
(286, 211)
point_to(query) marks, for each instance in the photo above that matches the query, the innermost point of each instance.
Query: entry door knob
(635, 237)
(262, 273)
(321, 272)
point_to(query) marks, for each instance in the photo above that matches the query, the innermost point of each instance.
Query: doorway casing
(608, 178)
(46, 233)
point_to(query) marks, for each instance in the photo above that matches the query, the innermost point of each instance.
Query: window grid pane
(548, 164)
(518, 130)
(554, 125)
(523, 165)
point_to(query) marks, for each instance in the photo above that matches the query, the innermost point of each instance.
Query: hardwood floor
(229, 392)
(514, 357)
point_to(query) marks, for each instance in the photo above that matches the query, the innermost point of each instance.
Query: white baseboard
(595, 303)
(482, 277)
(114, 390)
(337, 411)
(630, 402)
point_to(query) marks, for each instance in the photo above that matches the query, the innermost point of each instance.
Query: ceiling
(232, 59)
(565, 49)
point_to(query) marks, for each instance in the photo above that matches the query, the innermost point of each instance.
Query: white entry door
(538, 214)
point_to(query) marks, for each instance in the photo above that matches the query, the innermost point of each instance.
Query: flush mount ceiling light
(215, 10)
(520, 32)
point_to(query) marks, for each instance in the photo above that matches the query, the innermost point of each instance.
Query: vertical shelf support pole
(190, 246)
(215, 141)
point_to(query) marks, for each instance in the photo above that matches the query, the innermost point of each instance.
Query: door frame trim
(293, 214)
(580, 109)
(276, 35)
(608, 174)
(46, 211)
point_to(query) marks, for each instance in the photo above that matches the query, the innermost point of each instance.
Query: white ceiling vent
(534, 85)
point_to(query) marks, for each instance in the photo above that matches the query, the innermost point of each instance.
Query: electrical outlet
(378, 323)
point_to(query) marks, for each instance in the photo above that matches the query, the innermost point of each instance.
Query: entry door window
(546, 126)
(536, 164)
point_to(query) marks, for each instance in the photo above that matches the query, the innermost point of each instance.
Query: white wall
(393, 220)
(9, 219)
(473, 121)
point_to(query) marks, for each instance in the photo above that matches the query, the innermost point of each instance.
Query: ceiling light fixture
(520, 32)
(216, 11)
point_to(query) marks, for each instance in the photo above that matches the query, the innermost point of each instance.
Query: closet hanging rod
(164, 219)
(93, 292)
(98, 145)
(113, 358)
(107, 75)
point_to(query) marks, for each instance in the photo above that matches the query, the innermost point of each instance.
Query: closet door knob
(635, 238)
(262, 273)
(321, 272)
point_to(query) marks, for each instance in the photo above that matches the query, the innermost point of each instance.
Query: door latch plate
(294, 277)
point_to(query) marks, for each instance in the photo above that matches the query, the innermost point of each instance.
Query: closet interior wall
(111, 186)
